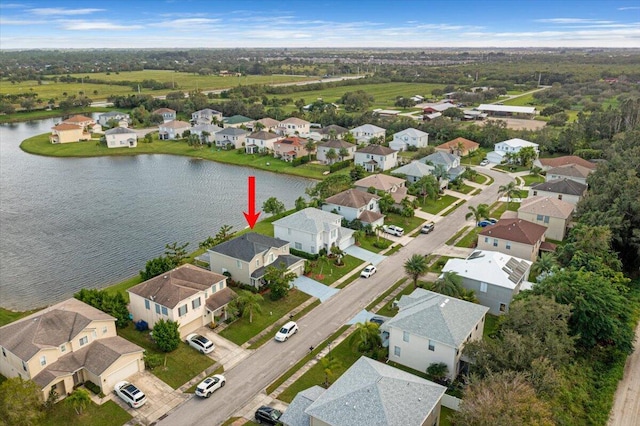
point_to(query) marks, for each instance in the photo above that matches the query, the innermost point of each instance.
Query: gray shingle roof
(561, 186)
(437, 317)
(439, 157)
(336, 144)
(246, 246)
(283, 260)
(310, 220)
(352, 198)
(232, 131)
(338, 130)
(415, 168)
(376, 150)
(263, 135)
(371, 393)
(120, 131)
(295, 414)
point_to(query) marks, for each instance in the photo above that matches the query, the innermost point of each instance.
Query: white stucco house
(292, 126)
(409, 137)
(260, 141)
(206, 132)
(511, 146)
(167, 114)
(121, 137)
(355, 204)
(376, 158)
(312, 229)
(363, 134)
(337, 146)
(231, 136)
(173, 129)
(432, 328)
(206, 116)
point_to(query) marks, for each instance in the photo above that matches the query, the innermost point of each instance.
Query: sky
(334, 24)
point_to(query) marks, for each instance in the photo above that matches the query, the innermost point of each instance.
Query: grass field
(7, 316)
(106, 414)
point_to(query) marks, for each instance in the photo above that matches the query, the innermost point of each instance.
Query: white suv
(130, 394)
(393, 230)
(287, 330)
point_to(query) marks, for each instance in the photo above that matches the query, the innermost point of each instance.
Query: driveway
(366, 255)
(314, 288)
(226, 352)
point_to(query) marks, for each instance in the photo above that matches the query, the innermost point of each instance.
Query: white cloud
(4, 21)
(572, 21)
(12, 5)
(96, 25)
(48, 11)
(186, 23)
(629, 8)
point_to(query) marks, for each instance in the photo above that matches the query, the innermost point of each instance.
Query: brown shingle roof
(163, 110)
(295, 120)
(352, 198)
(563, 161)
(336, 144)
(77, 119)
(516, 230)
(379, 181)
(268, 122)
(66, 126)
(572, 170)
(220, 298)
(549, 206)
(263, 135)
(369, 216)
(561, 186)
(176, 124)
(174, 286)
(453, 144)
(376, 150)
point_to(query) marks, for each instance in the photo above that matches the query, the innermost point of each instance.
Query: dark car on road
(484, 223)
(268, 415)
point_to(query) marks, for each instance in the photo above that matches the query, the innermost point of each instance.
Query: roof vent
(166, 276)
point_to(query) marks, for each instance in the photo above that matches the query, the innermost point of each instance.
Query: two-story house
(363, 134)
(312, 230)
(447, 161)
(549, 163)
(332, 131)
(376, 158)
(171, 130)
(121, 137)
(554, 214)
(206, 116)
(459, 147)
(574, 172)
(66, 133)
(65, 345)
(293, 126)
(120, 118)
(231, 137)
(206, 132)
(339, 148)
(516, 237)
(563, 189)
(393, 185)
(261, 141)
(190, 295)
(403, 139)
(167, 114)
(246, 258)
(414, 171)
(290, 148)
(267, 124)
(354, 204)
(511, 146)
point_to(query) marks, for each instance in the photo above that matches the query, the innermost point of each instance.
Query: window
(495, 242)
(539, 218)
(221, 286)
(43, 360)
(238, 264)
(63, 348)
(271, 258)
(94, 334)
(5, 354)
(405, 336)
(503, 307)
(396, 350)
(258, 262)
(288, 231)
(546, 219)
(182, 310)
(157, 309)
(24, 366)
(486, 240)
(165, 311)
(432, 345)
(298, 246)
(104, 330)
(84, 340)
(483, 287)
(146, 304)
(508, 246)
(195, 303)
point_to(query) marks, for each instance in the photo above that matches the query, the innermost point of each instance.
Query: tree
(453, 113)
(357, 173)
(526, 155)
(113, 304)
(343, 153)
(176, 253)
(440, 173)
(248, 303)
(449, 284)
(166, 335)
(224, 234)
(544, 264)
(273, 206)
(331, 185)
(310, 146)
(279, 279)
(510, 191)
(79, 400)
(478, 213)
(331, 155)
(416, 266)
(338, 254)
(20, 402)
(438, 371)
(367, 336)
(300, 203)
(330, 366)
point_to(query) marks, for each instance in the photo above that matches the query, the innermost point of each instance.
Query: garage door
(191, 327)
(122, 374)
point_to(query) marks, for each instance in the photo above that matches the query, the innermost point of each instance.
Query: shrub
(166, 335)
(152, 361)
(381, 244)
(299, 161)
(303, 254)
(92, 387)
(339, 166)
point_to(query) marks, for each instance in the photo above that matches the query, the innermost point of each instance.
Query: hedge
(339, 165)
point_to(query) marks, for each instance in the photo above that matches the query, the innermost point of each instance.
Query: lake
(72, 223)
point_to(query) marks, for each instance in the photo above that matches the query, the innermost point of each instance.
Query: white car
(210, 385)
(393, 230)
(130, 394)
(287, 330)
(484, 162)
(200, 343)
(368, 271)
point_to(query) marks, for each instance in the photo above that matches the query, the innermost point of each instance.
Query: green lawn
(511, 168)
(464, 189)
(490, 325)
(447, 212)
(469, 240)
(438, 205)
(457, 235)
(7, 316)
(445, 413)
(328, 273)
(531, 179)
(367, 243)
(388, 310)
(107, 414)
(241, 330)
(408, 223)
(386, 293)
(513, 206)
(268, 336)
(437, 266)
(182, 365)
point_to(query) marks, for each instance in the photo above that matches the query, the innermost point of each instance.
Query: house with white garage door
(312, 230)
(66, 345)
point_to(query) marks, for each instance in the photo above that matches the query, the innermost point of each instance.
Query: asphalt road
(249, 377)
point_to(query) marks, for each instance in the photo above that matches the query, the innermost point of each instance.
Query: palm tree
(509, 190)
(449, 284)
(440, 172)
(79, 399)
(343, 153)
(545, 264)
(358, 236)
(310, 146)
(249, 303)
(367, 336)
(416, 266)
(331, 155)
(329, 366)
(478, 213)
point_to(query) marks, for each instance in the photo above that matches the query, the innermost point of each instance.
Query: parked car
(130, 394)
(209, 385)
(492, 220)
(484, 162)
(484, 223)
(377, 320)
(200, 343)
(287, 330)
(393, 230)
(428, 227)
(368, 271)
(268, 415)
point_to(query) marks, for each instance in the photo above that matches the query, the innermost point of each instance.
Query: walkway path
(626, 403)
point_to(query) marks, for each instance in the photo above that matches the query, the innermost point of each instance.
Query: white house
(363, 134)
(231, 136)
(173, 129)
(337, 146)
(167, 114)
(574, 172)
(414, 171)
(292, 126)
(210, 129)
(355, 204)
(494, 277)
(261, 141)
(311, 230)
(409, 137)
(121, 137)
(206, 116)
(433, 328)
(123, 119)
(563, 189)
(376, 158)
(190, 295)
(511, 146)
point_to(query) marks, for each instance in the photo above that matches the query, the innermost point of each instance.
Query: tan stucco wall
(66, 136)
(523, 251)
(555, 228)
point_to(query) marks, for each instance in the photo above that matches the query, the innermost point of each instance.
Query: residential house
(437, 108)
(516, 237)
(246, 258)
(173, 130)
(261, 141)
(494, 277)
(267, 124)
(432, 328)
(237, 121)
(167, 114)
(206, 116)
(376, 158)
(549, 163)
(206, 132)
(121, 137)
(332, 131)
(368, 393)
(573, 172)
(459, 147)
(65, 345)
(449, 162)
(290, 148)
(414, 171)
(511, 146)
(409, 137)
(81, 120)
(353, 204)
(293, 126)
(231, 136)
(192, 296)
(312, 230)
(555, 214)
(337, 146)
(66, 133)
(390, 184)
(122, 119)
(363, 134)
(563, 189)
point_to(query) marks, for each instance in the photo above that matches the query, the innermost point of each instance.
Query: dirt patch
(521, 124)
(626, 403)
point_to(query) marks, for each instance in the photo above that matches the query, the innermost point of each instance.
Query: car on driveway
(287, 330)
(393, 230)
(209, 385)
(268, 415)
(484, 223)
(428, 227)
(492, 220)
(200, 343)
(484, 162)
(368, 271)
(377, 320)
(130, 394)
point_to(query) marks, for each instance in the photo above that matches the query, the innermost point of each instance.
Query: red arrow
(252, 216)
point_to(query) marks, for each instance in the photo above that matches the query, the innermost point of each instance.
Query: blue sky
(391, 23)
